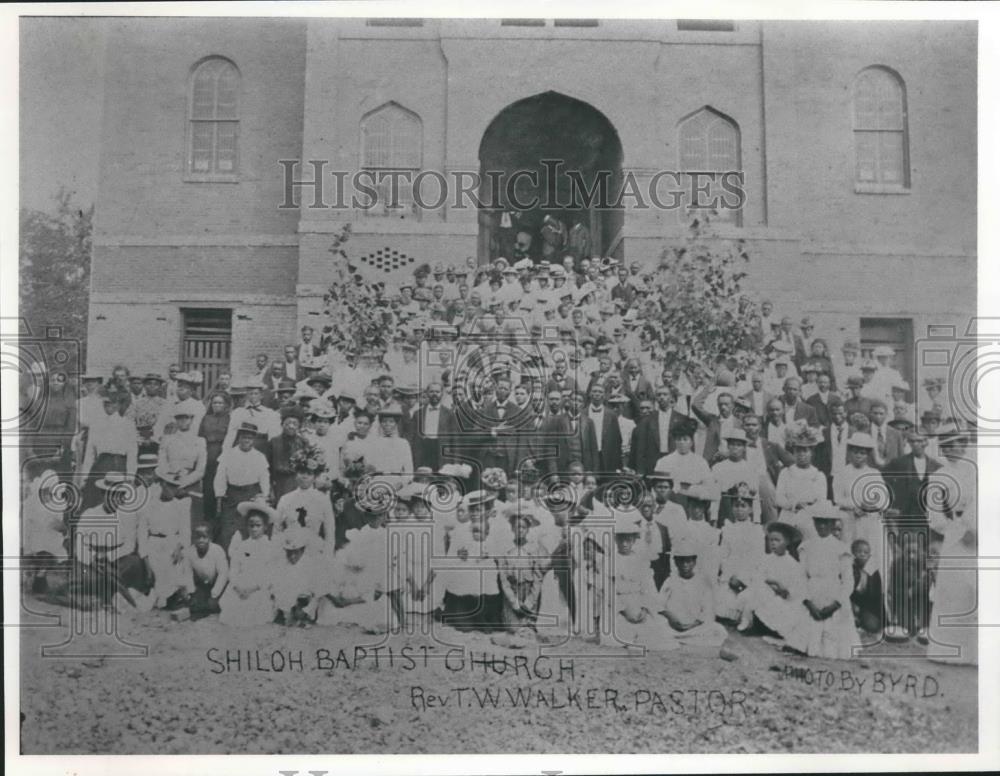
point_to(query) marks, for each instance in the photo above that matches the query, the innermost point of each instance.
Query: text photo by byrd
(501, 385)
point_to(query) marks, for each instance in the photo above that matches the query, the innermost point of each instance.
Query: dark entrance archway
(549, 127)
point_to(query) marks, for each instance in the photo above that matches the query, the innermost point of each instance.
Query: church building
(224, 139)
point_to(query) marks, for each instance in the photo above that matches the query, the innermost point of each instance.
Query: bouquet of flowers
(308, 459)
(494, 478)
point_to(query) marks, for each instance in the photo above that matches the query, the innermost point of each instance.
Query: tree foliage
(55, 253)
(698, 309)
(354, 315)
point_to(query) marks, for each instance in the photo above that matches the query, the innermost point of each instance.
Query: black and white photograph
(424, 385)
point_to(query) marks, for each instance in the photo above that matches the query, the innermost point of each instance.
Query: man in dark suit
(855, 402)
(560, 379)
(821, 402)
(602, 444)
(769, 459)
(713, 423)
(497, 418)
(803, 342)
(793, 406)
(757, 396)
(556, 445)
(889, 443)
(307, 350)
(291, 368)
(624, 289)
(433, 424)
(652, 438)
(907, 477)
(635, 386)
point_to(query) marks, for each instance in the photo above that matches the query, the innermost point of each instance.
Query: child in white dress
(687, 602)
(247, 600)
(828, 566)
(741, 552)
(775, 596)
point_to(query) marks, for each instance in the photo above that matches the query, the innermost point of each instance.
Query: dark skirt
(473, 612)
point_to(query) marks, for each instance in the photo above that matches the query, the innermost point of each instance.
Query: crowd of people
(443, 478)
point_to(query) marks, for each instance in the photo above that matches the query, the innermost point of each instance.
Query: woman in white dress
(801, 485)
(391, 454)
(247, 600)
(953, 632)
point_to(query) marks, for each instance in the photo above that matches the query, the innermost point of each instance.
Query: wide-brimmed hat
(152, 377)
(861, 439)
(684, 547)
(293, 411)
(319, 377)
(478, 498)
(825, 510)
(735, 435)
(390, 411)
(245, 508)
(521, 509)
(741, 491)
(801, 434)
(627, 523)
(294, 538)
(248, 428)
(660, 475)
(883, 350)
(188, 408)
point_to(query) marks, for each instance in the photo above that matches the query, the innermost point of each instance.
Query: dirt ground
(341, 691)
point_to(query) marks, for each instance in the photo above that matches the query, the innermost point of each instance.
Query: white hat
(189, 407)
(883, 350)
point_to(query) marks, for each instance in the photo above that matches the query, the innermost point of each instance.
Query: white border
(989, 304)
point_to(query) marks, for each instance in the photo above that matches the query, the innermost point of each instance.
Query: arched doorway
(549, 127)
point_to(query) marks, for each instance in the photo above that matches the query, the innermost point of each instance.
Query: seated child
(866, 598)
(247, 599)
(775, 595)
(521, 569)
(687, 601)
(207, 573)
(296, 579)
(636, 623)
(697, 531)
(356, 583)
(741, 551)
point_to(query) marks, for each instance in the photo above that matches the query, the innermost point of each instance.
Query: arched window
(710, 142)
(881, 145)
(214, 119)
(392, 140)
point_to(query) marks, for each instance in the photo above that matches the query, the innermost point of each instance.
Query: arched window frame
(880, 132)
(213, 124)
(402, 150)
(712, 156)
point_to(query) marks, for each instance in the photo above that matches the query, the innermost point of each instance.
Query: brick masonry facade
(164, 242)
